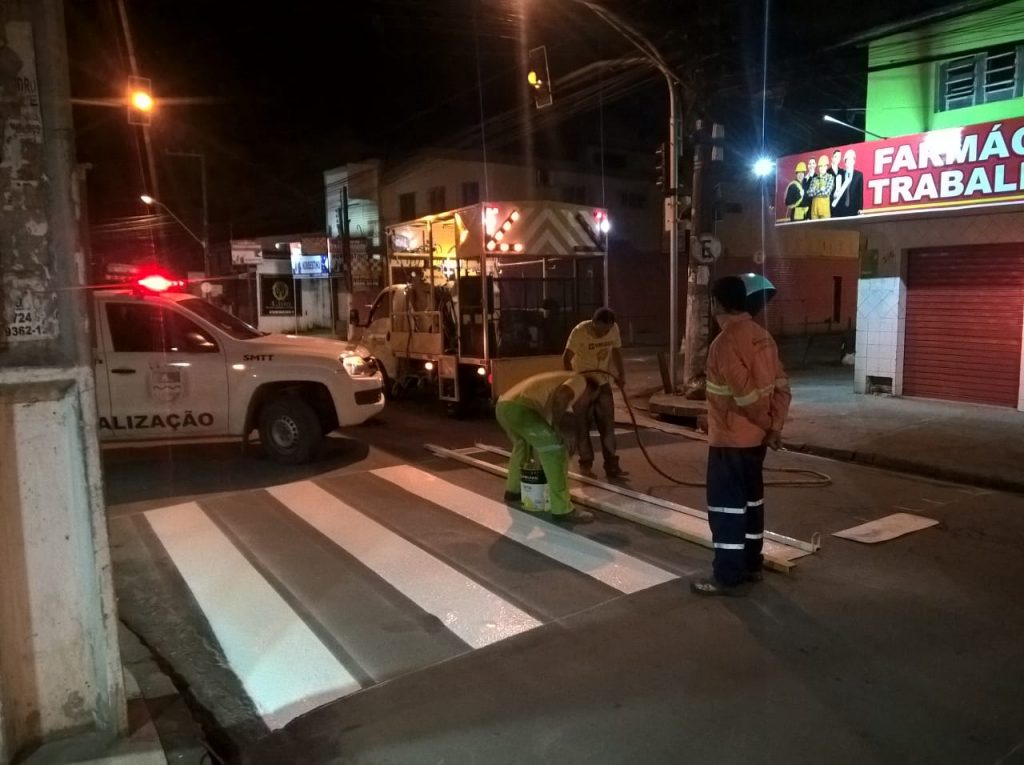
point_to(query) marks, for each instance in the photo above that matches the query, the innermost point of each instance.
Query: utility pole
(698, 273)
(60, 668)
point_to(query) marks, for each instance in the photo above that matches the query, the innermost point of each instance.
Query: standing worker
(594, 346)
(533, 413)
(748, 399)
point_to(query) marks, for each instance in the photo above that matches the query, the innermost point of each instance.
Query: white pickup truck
(170, 365)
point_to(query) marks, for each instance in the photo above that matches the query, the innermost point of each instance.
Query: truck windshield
(220, 318)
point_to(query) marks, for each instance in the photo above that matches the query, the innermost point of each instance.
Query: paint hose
(813, 478)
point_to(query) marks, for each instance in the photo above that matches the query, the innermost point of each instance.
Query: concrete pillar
(60, 669)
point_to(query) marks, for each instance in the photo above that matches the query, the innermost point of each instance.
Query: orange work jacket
(747, 389)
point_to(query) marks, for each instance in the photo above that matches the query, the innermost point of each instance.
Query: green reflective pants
(527, 430)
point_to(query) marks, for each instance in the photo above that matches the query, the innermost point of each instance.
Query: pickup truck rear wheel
(290, 430)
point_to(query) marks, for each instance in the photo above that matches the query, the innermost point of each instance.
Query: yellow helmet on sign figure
(801, 167)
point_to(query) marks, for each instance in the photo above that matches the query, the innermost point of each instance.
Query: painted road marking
(472, 612)
(282, 665)
(616, 569)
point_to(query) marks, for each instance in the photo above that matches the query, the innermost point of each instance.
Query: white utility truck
(170, 365)
(483, 296)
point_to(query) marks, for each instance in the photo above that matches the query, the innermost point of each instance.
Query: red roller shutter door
(963, 329)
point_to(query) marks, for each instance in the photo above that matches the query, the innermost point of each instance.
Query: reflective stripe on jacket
(747, 389)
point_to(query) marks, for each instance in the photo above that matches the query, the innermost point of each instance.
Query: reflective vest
(747, 388)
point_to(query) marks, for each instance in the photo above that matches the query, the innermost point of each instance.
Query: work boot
(513, 496)
(614, 471)
(711, 586)
(573, 516)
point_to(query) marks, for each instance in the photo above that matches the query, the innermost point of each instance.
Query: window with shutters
(981, 78)
(407, 206)
(435, 199)
(470, 192)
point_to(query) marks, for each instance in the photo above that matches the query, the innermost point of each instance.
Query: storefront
(940, 305)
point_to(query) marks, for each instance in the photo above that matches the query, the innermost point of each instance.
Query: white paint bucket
(534, 487)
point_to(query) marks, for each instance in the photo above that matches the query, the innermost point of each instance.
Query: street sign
(709, 250)
(245, 252)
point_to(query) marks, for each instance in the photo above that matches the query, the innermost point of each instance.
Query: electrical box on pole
(538, 77)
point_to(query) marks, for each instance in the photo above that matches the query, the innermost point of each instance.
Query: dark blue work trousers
(735, 494)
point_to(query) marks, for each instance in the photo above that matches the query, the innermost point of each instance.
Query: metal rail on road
(662, 515)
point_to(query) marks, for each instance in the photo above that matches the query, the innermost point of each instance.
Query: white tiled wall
(881, 308)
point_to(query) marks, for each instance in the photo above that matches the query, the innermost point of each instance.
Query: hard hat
(801, 167)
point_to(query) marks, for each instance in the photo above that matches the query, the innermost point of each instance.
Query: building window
(407, 206)
(576, 195)
(470, 192)
(435, 199)
(981, 78)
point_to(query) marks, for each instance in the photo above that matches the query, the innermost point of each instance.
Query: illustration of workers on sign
(820, 190)
(797, 202)
(848, 197)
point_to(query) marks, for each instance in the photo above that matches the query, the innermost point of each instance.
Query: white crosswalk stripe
(276, 646)
(619, 570)
(473, 613)
(283, 666)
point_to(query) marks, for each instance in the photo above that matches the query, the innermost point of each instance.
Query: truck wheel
(290, 430)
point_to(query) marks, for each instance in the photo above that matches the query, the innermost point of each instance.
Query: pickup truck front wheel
(290, 430)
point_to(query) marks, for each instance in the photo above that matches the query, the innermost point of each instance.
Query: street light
(830, 118)
(764, 167)
(148, 200)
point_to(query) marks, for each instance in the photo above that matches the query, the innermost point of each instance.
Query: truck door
(377, 337)
(166, 374)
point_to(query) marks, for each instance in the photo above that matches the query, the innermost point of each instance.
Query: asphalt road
(905, 651)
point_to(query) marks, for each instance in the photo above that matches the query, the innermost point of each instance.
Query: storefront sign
(245, 252)
(278, 296)
(954, 167)
(306, 263)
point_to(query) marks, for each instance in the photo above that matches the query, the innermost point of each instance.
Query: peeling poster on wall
(30, 313)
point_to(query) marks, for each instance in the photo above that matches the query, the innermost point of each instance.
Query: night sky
(280, 95)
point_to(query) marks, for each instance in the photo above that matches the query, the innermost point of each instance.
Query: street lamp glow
(764, 167)
(147, 199)
(142, 101)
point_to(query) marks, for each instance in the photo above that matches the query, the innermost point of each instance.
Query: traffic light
(538, 77)
(661, 168)
(140, 101)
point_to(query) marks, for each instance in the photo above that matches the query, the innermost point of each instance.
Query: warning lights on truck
(496, 233)
(158, 283)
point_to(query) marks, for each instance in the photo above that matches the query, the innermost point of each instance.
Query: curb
(873, 459)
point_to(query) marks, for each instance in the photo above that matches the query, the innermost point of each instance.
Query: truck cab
(170, 365)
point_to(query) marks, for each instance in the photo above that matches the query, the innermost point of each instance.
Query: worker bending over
(535, 414)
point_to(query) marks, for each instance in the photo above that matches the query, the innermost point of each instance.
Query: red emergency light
(158, 283)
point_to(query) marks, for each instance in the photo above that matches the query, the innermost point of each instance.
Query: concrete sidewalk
(965, 443)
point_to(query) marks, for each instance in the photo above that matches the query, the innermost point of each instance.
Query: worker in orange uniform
(748, 399)
(535, 416)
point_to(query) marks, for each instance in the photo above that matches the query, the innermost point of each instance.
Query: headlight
(357, 366)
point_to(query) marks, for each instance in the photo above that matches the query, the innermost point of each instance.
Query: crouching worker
(535, 414)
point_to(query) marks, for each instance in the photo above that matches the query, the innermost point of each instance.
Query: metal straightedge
(667, 517)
